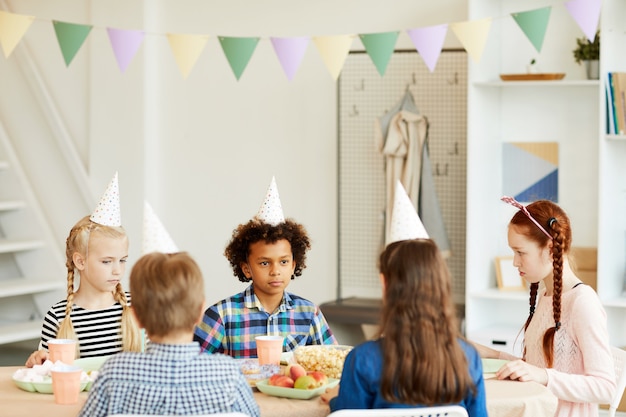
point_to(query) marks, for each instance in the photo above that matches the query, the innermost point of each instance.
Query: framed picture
(507, 276)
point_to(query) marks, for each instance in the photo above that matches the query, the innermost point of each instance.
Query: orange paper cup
(66, 383)
(63, 350)
(269, 349)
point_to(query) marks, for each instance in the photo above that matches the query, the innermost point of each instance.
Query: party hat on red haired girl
(155, 236)
(405, 223)
(107, 212)
(271, 211)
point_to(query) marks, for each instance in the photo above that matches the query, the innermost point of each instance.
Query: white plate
(298, 394)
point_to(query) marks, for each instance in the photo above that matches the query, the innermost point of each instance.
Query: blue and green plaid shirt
(169, 380)
(231, 325)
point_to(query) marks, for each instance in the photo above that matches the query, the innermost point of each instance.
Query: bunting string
(187, 48)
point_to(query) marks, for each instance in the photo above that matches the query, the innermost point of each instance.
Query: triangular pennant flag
(405, 223)
(238, 52)
(379, 47)
(534, 23)
(107, 212)
(155, 236)
(186, 49)
(71, 37)
(586, 13)
(290, 52)
(125, 44)
(428, 42)
(271, 211)
(334, 51)
(473, 36)
(12, 30)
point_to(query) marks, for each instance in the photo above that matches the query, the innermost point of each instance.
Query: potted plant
(589, 53)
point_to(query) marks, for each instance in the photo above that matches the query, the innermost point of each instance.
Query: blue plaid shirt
(169, 379)
(231, 325)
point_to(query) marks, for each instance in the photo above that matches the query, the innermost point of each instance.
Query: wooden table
(504, 399)
(15, 402)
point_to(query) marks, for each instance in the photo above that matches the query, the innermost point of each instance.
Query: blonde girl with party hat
(96, 314)
(566, 341)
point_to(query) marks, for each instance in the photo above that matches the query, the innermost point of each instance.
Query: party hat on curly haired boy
(155, 236)
(107, 212)
(405, 223)
(271, 211)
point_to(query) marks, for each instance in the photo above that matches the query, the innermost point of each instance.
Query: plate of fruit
(296, 382)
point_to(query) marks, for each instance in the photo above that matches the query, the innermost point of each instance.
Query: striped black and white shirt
(99, 332)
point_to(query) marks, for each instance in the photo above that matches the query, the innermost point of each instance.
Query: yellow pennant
(473, 36)
(186, 49)
(12, 29)
(334, 51)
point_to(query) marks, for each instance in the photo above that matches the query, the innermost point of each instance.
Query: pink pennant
(587, 14)
(125, 44)
(290, 52)
(428, 41)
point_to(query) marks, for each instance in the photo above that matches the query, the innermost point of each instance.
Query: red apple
(295, 371)
(273, 379)
(282, 381)
(320, 377)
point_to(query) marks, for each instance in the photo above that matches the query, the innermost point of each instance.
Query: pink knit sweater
(582, 375)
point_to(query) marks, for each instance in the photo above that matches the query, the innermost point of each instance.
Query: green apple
(305, 382)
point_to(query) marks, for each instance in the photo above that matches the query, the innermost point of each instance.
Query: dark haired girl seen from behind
(420, 358)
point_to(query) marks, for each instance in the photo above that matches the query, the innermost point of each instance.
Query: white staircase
(32, 273)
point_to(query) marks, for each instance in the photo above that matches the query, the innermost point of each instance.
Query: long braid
(73, 241)
(533, 302)
(131, 337)
(557, 277)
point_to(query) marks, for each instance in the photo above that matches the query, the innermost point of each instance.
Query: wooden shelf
(23, 286)
(17, 332)
(11, 205)
(8, 246)
(557, 83)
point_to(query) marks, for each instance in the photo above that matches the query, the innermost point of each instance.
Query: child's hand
(37, 358)
(522, 371)
(330, 394)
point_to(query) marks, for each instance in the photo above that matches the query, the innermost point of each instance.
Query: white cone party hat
(405, 223)
(271, 211)
(107, 212)
(155, 236)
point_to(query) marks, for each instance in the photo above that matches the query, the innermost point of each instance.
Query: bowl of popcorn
(324, 358)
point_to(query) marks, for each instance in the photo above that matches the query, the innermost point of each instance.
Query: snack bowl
(324, 358)
(43, 387)
(40, 381)
(294, 393)
(24, 385)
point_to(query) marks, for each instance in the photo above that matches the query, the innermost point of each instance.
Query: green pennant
(71, 37)
(379, 47)
(238, 51)
(534, 24)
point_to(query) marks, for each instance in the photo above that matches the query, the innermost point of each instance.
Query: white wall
(202, 151)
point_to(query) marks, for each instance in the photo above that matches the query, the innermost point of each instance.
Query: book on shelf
(610, 107)
(616, 103)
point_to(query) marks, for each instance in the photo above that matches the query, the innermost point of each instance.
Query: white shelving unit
(31, 265)
(592, 164)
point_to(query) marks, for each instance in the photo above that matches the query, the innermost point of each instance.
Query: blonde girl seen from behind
(96, 257)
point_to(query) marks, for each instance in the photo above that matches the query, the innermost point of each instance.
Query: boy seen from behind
(171, 376)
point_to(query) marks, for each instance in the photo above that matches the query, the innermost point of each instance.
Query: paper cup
(269, 349)
(66, 383)
(63, 350)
